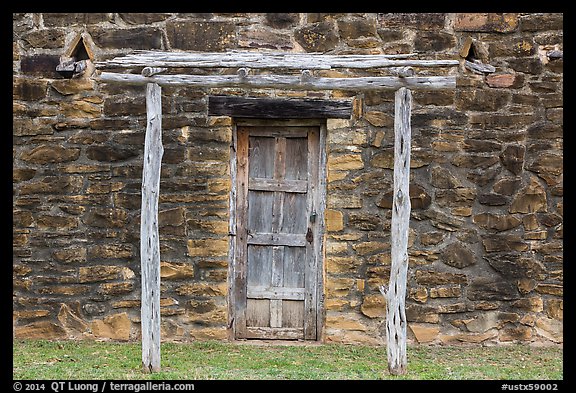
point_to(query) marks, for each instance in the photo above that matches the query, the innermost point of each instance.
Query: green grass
(89, 360)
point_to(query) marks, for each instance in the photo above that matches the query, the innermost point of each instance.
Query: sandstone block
(379, 119)
(488, 289)
(425, 277)
(143, 18)
(364, 221)
(424, 21)
(500, 80)
(492, 199)
(257, 38)
(541, 22)
(513, 158)
(356, 28)
(115, 288)
(503, 243)
(28, 89)
(368, 248)
(433, 41)
(473, 338)
(209, 333)
(519, 333)
(446, 291)
(550, 289)
(515, 265)
(532, 198)
(282, 20)
(336, 247)
(344, 201)
(548, 166)
(419, 198)
(48, 221)
(110, 153)
(333, 220)
(486, 22)
(134, 38)
(373, 306)
(344, 322)
(80, 109)
(43, 65)
(208, 247)
(41, 330)
(531, 304)
(345, 162)
(176, 271)
(97, 273)
(347, 136)
(337, 287)
(421, 313)
(71, 320)
(45, 154)
(555, 309)
(73, 86)
(352, 337)
(105, 217)
(336, 304)
(342, 264)
(442, 177)
(30, 314)
(498, 222)
(316, 37)
(424, 333)
(550, 329)
(208, 36)
(110, 251)
(70, 255)
(114, 327)
(419, 294)
(203, 289)
(210, 226)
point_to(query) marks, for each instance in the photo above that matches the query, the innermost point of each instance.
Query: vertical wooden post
(396, 292)
(149, 241)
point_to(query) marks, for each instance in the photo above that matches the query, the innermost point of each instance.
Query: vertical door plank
(261, 157)
(258, 312)
(277, 278)
(292, 313)
(310, 298)
(240, 271)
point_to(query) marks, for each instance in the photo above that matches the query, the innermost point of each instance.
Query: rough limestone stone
(71, 321)
(114, 327)
(424, 333)
(373, 306)
(334, 220)
(550, 329)
(176, 271)
(457, 255)
(40, 330)
(317, 37)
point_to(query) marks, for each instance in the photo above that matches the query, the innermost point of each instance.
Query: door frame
(235, 274)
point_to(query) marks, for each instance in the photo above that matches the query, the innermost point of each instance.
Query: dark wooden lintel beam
(278, 108)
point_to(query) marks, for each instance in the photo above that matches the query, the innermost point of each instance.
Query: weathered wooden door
(278, 245)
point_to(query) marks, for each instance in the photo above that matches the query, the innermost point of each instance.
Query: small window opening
(76, 59)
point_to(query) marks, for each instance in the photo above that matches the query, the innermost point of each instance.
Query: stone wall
(486, 231)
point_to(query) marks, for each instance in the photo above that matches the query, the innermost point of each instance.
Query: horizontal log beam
(274, 108)
(286, 81)
(310, 61)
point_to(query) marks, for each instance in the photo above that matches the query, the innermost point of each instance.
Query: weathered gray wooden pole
(149, 241)
(396, 293)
